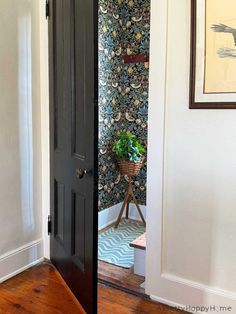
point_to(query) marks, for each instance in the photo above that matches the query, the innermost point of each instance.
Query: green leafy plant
(128, 147)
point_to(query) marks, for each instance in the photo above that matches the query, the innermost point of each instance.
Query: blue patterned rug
(113, 244)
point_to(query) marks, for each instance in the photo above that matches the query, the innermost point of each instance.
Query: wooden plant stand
(128, 197)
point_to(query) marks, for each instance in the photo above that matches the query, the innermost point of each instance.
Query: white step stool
(139, 246)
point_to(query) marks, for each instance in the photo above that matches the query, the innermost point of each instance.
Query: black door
(73, 101)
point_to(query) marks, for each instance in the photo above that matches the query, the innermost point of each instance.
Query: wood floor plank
(117, 302)
(38, 290)
(41, 290)
(119, 276)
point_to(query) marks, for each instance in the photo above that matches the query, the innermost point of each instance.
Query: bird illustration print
(222, 28)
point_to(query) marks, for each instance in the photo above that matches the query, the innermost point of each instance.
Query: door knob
(80, 173)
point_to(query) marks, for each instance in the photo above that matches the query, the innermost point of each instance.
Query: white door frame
(156, 139)
(161, 286)
(45, 133)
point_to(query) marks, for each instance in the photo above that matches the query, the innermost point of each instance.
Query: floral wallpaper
(123, 90)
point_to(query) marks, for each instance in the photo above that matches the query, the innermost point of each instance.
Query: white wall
(200, 174)
(20, 129)
(193, 209)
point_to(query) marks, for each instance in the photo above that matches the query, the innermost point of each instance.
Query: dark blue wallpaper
(123, 90)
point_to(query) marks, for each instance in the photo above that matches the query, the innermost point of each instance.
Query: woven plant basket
(128, 167)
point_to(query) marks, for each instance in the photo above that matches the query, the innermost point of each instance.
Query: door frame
(154, 157)
(166, 289)
(162, 286)
(45, 128)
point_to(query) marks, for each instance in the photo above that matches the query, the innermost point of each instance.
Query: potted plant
(129, 152)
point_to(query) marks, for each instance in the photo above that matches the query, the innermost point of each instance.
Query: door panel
(79, 205)
(74, 127)
(60, 211)
(80, 77)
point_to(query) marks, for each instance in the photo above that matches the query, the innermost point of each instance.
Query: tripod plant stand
(128, 197)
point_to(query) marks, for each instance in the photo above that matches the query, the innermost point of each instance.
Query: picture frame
(213, 50)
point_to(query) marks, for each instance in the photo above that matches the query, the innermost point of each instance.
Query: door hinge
(47, 9)
(49, 224)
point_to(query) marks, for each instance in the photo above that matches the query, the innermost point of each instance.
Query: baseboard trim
(209, 296)
(167, 302)
(17, 261)
(202, 287)
(108, 216)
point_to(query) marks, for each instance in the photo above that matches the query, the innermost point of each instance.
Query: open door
(74, 129)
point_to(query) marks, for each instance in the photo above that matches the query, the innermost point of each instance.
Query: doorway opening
(124, 37)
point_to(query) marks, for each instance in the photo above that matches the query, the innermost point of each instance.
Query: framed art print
(213, 54)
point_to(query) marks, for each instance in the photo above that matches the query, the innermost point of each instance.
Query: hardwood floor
(120, 277)
(42, 290)
(117, 302)
(38, 290)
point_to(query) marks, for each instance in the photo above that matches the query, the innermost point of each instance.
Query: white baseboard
(14, 262)
(134, 213)
(108, 216)
(199, 296)
(167, 302)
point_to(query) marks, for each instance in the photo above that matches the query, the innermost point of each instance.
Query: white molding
(167, 302)
(156, 143)
(181, 292)
(108, 216)
(134, 213)
(20, 259)
(44, 95)
(204, 288)
(195, 295)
